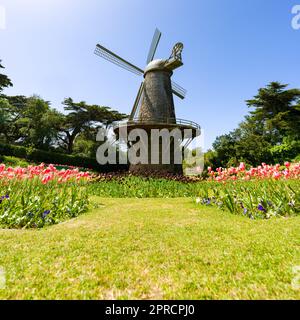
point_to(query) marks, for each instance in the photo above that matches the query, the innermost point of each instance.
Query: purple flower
(206, 201)
(4, 197)
(245, 210)
(45, 213)
(261, 208)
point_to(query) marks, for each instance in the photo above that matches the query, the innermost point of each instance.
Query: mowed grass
(152, 249)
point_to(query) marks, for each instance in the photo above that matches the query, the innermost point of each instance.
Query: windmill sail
(178, 90)
(117, 60)
(137, 102)
(154, 44)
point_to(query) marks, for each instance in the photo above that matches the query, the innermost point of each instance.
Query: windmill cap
(158, 64)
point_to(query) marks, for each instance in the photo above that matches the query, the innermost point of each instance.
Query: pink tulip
(287, 164)
(242, 166)
(261, 172)
(277, 175)
(2, 167)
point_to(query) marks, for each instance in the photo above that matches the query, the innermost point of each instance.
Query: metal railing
(168, 121)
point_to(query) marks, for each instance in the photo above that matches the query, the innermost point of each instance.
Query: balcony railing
(169, 121)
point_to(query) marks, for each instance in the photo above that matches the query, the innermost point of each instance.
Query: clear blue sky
(232, 47)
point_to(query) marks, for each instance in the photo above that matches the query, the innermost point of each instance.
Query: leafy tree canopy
(270, 133)
(4, 80)
(82, 117)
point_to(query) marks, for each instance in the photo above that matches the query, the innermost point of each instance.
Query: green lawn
(153, 249)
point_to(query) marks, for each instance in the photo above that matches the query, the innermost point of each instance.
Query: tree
(4, 80)
(30, 121)
(287, 151)
(14, 107)
(85, 144)
(4, 117)
(225, 148)
(82, 117)
(278, 109)
(253, 143)
(40, 123)
(268, 134)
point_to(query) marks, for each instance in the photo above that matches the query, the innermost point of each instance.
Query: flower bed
(261, 192)
(37, 196)
(264, 171)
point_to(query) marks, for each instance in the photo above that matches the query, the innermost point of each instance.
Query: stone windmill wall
(157, 104)
(158, 108)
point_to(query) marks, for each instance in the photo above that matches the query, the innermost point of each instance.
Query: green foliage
(38, 123)
(4, 117)
(286, 151)
(297, 159)
(30, 121)
(85, 143)
(225, 148)
(210, 160)
(30, 204)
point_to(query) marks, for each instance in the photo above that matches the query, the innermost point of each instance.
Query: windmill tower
(154, 105)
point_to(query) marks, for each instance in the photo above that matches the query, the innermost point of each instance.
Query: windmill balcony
(166, 123)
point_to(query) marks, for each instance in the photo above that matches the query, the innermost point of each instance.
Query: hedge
(37, 155)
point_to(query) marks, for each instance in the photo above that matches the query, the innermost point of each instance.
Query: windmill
(154, 103)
